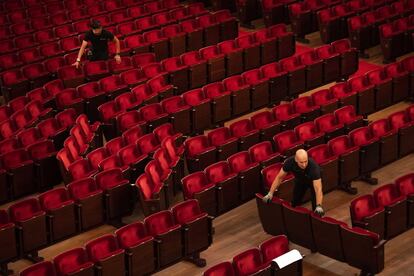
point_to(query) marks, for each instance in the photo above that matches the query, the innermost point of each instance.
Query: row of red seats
(333, 24)
(396, 38)
(223, 107)
(80, 26)
(356, 246)
(258, 261)
(139, 247)
(66, 38)
(30, 25)
(389, 211)
(59, 12)
(16, 83)
(364, 29)
(304, 15)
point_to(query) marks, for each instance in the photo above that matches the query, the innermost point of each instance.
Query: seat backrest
(186, 211)
(274, 247)
(159, 223)
(247, 262)
(218, 171)
(101, 247)
(405, 184)
(221, 269)
(362, 206)
(271, 217)
(386, 195)
(71, 261)
(42, 268)
(132, 234)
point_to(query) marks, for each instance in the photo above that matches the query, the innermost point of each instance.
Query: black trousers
(299, 192)
(95, 55)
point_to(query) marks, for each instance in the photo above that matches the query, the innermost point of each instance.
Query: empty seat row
(358, 247)
(260, 261)
(32, 24)
(139, 248)
(396, 38)
(364, 29)
(59, 13)
(336, 18)
(388, 211)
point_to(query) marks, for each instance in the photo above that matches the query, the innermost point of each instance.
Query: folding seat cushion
(246, 133)
(366, 94)
(368, 255)
(106, 254)
(46, 170)
(250, 262)
(329, 164)
(296, 75)
(151, 195)
(81, 168)
(139, 248)
(314, 68)
(131, 135)
(158, 43)
(286, 115)
(215, 62)
(331, 63)
(285, 39)
(347, 116)
(154, 115)
(127, 102)
(199, 153)
(160, 86)
(349, 57)
(194, 34)
(20, 172)
(23, 119)
(168, 169)
(148, 143)
(234, 57)
(395, 204)
(400, 81)
(74, 261)
(91, 131)
(251, 51)
(60, 213)
(176, 39)
(117, 190)
(383, 87)
(360, 33)
(222, 139)
(345, 94)
(402, 122)
(259, 88)
(268, 125)
(198, 68)
(248, 172)
(326, 100)
(240, 92)
(201, 109)
(388, 140)
(198, 225)
(96, 156)
(179, 113)
(327, 235)
(161, 175)
(114, 145)
(406, 188)
(30, 221)
(41, 268)
(52, 129)
(306, 108)
(29, 136)
(36, 110)
(137, 44)
(71, 76)
(224, 268)
(298, 224)
(197, 186)
(177, 73)
(278, 81)
(167, 130)
(168, 234)
(14, 83)
(365, 213)
(309, 134)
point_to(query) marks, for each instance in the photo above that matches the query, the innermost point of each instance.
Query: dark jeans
(94, 56)
(299, 192)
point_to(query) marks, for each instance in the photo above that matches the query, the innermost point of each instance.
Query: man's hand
(76, 64)
(319, 211)
(267, 198)
(118, 59)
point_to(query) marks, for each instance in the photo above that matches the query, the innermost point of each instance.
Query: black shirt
(307, 175)
(99, 42)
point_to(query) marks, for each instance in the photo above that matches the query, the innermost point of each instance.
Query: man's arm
(80, 53)
(117, 49)
(317, 185)
(275, 185)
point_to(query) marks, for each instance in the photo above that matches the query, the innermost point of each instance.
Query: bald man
(307, 176)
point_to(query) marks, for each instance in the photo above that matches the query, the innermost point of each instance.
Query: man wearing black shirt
(99, 40)
(307, 176)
